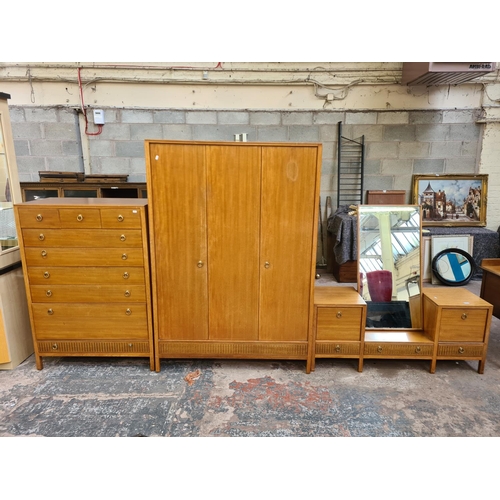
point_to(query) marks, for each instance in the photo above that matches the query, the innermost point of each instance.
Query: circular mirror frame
(445, 281)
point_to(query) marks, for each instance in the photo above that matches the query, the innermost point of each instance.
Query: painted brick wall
(398, 143)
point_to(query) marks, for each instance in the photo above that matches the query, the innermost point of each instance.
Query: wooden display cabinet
(490, 284)
(459, 322)
(41, 190)
(339, 324)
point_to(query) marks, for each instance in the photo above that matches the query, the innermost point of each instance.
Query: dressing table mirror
(389, 265)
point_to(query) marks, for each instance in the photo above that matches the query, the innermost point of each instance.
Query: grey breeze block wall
(398, 143)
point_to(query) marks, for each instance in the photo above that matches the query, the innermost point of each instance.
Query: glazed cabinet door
(233, 220)
(180, 246)
(287, 222)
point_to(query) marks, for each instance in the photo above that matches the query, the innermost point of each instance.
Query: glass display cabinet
(16, 342)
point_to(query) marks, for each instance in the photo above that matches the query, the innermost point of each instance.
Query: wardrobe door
(233, 221)
(288, 212)
(178, 200)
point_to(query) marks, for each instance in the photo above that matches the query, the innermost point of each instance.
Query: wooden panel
(4, 348)
(179, 238)
(340, 323)
(288, 215)
(455, 328)
(233, 217)
(90, 321)
(265, 350)
(29, 217)
(78, 218)
(96, 238)
(95, 348)
(85, 275)
(77, 257)
(88, 293)
(123, 217)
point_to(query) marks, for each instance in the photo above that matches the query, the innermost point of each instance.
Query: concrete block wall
(398, 143)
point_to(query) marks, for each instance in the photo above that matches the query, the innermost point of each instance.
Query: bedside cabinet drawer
(463, 325)
(334, 349)
(460, 351)
(339, 323)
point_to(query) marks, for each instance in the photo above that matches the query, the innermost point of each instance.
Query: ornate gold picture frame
(451, 200)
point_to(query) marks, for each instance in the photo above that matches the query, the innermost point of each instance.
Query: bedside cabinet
(339, 324)
(87, 276)
(459, 322)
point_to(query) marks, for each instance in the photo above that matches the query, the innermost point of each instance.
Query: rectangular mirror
(389, 265)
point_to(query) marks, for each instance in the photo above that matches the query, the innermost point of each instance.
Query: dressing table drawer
(395, 350)
(340, 323)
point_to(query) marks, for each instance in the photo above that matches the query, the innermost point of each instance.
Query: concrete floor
(121, 397)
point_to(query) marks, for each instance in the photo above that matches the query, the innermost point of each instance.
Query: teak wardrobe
(233, 231)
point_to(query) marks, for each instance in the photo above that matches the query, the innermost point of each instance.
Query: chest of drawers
(86, 267)
(459, 322)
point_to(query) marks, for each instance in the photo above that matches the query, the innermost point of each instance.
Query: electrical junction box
(98, 117)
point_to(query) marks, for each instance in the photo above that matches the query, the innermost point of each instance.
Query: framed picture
(451, 200)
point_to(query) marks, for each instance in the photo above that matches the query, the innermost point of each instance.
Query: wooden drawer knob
(127, 293)
(337, 348)
(128, 312)
(418, 349)
(379, 349)
(339, 314)
(46, 274)
(123, 237)
(48, 293)
(41, 237)
(125, 276)
(55, 347)
(464, 316)
(79, 217)
(124, 256)
(120, 218)
(39, 218)
(461, 350)
(43, 253)
(50, 311)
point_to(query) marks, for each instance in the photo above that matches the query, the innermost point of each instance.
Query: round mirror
(453, 266)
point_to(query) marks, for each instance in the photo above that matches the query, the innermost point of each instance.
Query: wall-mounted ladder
(351, 163)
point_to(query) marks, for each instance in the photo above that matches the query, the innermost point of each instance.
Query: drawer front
(460, 351)
(93, 348)
(463, 325)
(80, 218)
(88, 238)
(334, 349)
(83, 256)
(88, 293)
(85, 275)
(388, 349)
(128, 217)
(40, 217)
(339, 323)
(90, 321)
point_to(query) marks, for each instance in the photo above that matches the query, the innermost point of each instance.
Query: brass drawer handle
(127, 293)
(379, 348)
(461, 350)
(46, 274)
(418, 349)
(79, 217)
(124, 256)
(128, 312)
(125, 276)
(55, 347)
(337, 348)
(200, 263)
(131, 345)
(48, 293)
(464, 316)
(50, 311)
(267, 265)
(122, 237)
(43, 253)
(120, 218)
(39, 218)
(339, 314)
(41, 237)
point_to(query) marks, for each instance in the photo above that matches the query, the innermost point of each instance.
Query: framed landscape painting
(451, 200)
